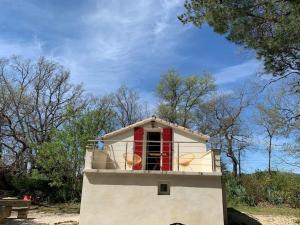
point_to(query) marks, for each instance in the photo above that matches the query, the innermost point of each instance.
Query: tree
(221, 118)
(278, 116)
(179, 96)
(269, 119)
(61, 161)
(270, 27)
(127, 106)
(34, 97)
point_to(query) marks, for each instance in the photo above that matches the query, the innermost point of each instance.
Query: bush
(260, 187)
(41, 189)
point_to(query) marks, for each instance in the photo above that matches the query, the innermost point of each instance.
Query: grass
(68, 208)
(267, 210)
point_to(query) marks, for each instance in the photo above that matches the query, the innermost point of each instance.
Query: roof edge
(158, 120)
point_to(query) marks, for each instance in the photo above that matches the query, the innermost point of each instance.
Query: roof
(160, 121)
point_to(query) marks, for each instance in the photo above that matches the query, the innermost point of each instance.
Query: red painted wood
(138, 145)
(167, 149)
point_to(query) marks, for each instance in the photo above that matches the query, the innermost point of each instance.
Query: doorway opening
(153, 151)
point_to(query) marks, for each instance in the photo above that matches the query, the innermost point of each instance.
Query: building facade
(152, 173)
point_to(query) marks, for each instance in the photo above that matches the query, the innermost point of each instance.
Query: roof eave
(163, 122)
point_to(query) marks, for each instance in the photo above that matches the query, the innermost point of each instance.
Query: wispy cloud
(238, 72)
(112, 38)
(106, 43)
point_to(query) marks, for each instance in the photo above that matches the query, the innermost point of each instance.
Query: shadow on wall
(238, 218)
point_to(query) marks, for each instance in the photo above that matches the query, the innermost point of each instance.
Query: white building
(152, 173)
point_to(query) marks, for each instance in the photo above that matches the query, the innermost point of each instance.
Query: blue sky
(115, 42)
(106, 43)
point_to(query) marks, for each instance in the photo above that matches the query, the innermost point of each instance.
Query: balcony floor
(151, 172)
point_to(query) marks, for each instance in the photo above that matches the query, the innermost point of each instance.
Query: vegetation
(262, 188)
(180, 97)
(46, 123)
(269, 27)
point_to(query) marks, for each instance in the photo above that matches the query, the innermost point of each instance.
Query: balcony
(121, 155)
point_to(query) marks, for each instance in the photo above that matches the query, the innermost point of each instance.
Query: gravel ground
(41, 218)
(275, 220)
(241, 218)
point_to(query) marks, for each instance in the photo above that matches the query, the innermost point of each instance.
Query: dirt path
(239, 218)
(275, 220)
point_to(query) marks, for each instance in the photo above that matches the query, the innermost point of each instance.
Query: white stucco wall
(131, 198)
(117, 148)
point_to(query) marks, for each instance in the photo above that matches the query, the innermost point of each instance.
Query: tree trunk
(234, 169)
(1, 154)
(231, 155)
(239, 158)
(269, 152)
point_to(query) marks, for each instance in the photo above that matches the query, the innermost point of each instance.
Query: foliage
(270, 27)
(34, 97)
(179, 97)
(61, 160)
(57, 175)
(47, 125)
(261, 187)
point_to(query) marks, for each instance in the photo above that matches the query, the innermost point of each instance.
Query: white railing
(152, 155)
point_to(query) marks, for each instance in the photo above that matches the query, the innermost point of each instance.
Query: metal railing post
(178, 156)
(169, 156)
(126, 155)
(133, 147)
(213, 161)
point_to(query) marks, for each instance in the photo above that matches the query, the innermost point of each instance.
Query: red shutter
(167, 149)
(138, 145)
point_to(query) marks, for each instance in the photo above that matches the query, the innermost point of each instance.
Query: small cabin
(152, 172)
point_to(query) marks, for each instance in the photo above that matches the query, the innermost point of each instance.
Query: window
(163, 188)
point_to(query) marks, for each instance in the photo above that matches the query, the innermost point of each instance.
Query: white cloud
(119, 36)
(113, 37)
(114, 43)
(238, 72)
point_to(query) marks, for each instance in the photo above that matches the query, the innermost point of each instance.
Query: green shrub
(260, 187)
(42, 190)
